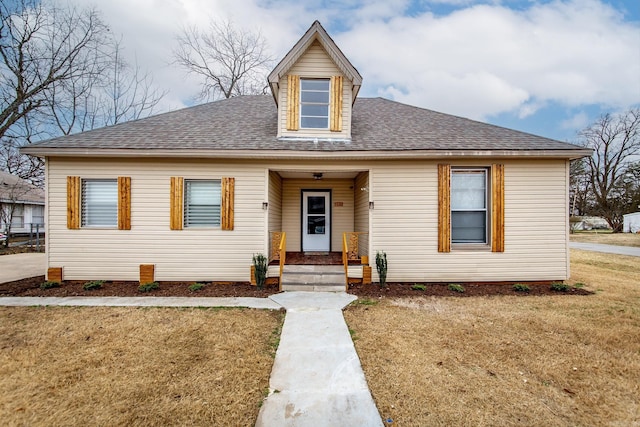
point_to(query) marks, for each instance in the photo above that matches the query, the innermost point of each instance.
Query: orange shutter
(124, 203)
(497, 208)
(226, 213)
(176, 203)
(293, 102)
(444, 208)
(335, 109)
(73, 202)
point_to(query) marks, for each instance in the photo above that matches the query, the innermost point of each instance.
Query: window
(37, 215)
(99, 203)
(17, 220)
(202, 203)
(469, 206)
(314, 103)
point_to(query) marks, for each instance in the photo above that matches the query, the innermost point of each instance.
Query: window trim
(83, 223)
(328, 103)
(185, 208)
(486, 245)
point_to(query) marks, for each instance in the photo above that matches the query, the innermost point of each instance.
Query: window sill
(471, 247)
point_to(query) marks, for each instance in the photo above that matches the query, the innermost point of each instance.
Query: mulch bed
(31, 287)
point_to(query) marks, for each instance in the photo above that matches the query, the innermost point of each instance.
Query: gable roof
(14, 189)
(246, 127)
(315, 32)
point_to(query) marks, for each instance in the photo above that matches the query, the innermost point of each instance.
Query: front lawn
(563, 361)
(67, 366)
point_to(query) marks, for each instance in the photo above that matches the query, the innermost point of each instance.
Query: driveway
(610, 249)
(21, 266)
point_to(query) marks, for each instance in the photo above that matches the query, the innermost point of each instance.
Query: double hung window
(314, 103)
(469, 200)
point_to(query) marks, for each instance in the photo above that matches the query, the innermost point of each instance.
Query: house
(21, 204)
(194, 194)
(631, 223)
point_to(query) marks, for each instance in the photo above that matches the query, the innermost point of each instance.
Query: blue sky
(548, 67)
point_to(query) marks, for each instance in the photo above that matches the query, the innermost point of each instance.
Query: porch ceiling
(293, 174)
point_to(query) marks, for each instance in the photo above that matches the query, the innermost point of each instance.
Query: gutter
(298, 155)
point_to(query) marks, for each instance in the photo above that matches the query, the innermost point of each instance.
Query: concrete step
(318, 278)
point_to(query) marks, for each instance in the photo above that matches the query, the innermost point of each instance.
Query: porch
(318, 217)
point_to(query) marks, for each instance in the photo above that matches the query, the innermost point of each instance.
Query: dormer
(314, 87)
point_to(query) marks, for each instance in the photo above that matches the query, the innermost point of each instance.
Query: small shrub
(455, 287)
(260, 265)
(148, 287)
(579, 285)
(559, 287)
(95, 284)
(49, 285)
(520, 287)
(419, 287)
(381, 266)
(196, 287)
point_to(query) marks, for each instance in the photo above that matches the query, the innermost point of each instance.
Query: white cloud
(485, 60)
(477, 61)
(577, 121)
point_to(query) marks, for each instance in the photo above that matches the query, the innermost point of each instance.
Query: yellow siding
(275, 202)
(361, 220)
(315, 63)
(404, 224)
(341, 216)
(190, 254)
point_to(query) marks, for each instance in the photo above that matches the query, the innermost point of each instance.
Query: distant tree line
(607, 184)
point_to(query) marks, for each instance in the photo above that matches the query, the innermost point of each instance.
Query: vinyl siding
(361, 209)
(275, 201)
(189, 254)
(315, 63)
(341, 216)
(405, 224)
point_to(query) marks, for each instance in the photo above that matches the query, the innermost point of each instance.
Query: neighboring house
(197, 192)
(631, 223)
(25, 200)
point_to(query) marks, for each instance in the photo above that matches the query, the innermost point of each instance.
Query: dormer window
(314, 103)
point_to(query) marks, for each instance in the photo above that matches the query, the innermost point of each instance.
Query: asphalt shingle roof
(250, 123)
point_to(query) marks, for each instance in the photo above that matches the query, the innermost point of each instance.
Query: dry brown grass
(134, 367)
(552, 361)
(607, 238)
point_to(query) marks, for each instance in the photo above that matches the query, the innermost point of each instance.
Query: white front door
(316, 221)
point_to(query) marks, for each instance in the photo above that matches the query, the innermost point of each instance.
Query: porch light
(317, 176)
(265, 205)
(370, 206)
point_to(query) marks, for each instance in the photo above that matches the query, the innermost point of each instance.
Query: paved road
(21, 266)
(610, 249)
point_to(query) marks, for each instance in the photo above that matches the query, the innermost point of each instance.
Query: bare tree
(61, 71)
(41, 46)
(121, 93)
(230, 61)
(615, 140)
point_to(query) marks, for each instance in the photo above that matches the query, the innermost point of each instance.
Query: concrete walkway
(317, 379)
(20, 266)
(610, 249)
